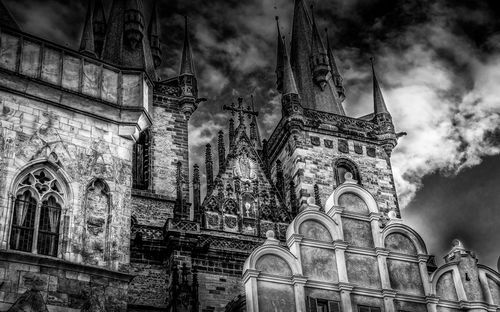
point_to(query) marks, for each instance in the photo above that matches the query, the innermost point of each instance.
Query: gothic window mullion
(34, 248)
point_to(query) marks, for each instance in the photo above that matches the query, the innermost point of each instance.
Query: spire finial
(87, 42)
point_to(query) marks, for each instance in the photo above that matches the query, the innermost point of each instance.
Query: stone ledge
(152, 195)
(56, 263)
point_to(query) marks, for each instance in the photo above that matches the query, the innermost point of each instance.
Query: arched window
(37, 213)
(140, 162)
(344, 166)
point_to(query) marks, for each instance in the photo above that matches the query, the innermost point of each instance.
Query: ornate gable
(242, 198)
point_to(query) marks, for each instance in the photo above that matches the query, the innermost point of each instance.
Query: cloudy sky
(438, 62)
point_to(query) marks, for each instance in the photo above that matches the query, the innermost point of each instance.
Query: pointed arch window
(37, 213)
(141, 162)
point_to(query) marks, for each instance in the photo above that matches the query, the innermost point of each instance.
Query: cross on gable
(241, 110)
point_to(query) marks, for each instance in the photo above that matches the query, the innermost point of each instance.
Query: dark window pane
(23, 222)
(48, 230)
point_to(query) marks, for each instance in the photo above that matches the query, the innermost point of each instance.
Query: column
(345, 297)
(300, 296)
(422, 265)
(250, 282)
(340, 247)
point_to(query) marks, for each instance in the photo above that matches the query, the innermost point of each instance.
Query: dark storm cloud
(438, 63)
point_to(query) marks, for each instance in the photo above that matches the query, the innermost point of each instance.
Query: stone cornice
(56, 263)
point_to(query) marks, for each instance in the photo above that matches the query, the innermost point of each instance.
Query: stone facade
(95, 211)
(324, 267)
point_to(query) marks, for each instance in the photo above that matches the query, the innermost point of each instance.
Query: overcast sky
(438, 62)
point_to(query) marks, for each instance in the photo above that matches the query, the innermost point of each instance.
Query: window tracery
(38, 203)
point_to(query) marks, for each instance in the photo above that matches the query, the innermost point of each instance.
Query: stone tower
(315, 144)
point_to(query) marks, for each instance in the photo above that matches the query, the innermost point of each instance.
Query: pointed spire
(99, 24)
(179, 211)
(319, 57)
(254, 127)
(154, 35)
(187, 63)
(222, 150)
(378, 99)
(301, 34)
(331, 57)
(209, 167)
(196, 193)
(289, 84)
(280, 179)
(87, 41)
(231, 134)
(337, 78)
(279, 59)
(317, 43)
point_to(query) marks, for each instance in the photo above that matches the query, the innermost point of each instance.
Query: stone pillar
(250, 282)
(389, 296)
(298, 286)
(424, 274)
(294, 245)
(431, 303)
(382, 267)
(345, 297)
(376, 232)
(340, 247)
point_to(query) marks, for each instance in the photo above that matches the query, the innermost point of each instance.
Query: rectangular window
(362, 308)
(322, 305)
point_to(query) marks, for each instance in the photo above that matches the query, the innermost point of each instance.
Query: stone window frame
(53, 185)
(350, 165)
(145, 141)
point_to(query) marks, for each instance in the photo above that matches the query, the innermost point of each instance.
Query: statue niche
(97, 221)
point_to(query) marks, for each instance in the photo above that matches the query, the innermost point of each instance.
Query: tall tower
(315, 143)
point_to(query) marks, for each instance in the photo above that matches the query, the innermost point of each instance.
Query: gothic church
(97, 212)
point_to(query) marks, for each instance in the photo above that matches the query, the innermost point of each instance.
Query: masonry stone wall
(82, 147)
(169, 146)
(310, 160)
(63, 286)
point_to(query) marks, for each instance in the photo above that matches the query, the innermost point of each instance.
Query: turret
(382, 117)
(99, 25)
(87, 41)
(187, 76)
(154, 36)
(133, 23)
(290, 103)
(319, 58)
(125, 44)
